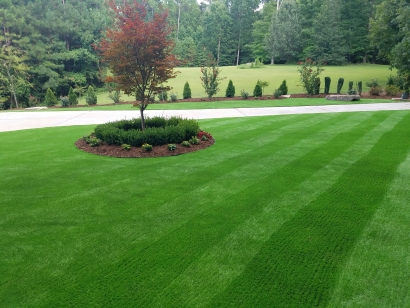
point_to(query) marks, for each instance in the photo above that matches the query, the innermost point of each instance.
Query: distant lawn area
(245, 79)
(284, 211)
(249, 103)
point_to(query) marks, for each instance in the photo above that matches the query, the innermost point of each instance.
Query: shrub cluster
(158, 131)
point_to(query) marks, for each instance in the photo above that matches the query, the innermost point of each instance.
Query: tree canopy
(139, 52)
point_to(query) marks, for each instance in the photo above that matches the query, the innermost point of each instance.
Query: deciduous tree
(139, 52)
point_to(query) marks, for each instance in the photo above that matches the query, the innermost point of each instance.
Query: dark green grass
(78, 230)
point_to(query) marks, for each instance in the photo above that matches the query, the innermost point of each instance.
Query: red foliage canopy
(139, 51)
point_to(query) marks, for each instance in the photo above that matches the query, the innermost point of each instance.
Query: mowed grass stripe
(47, 219)
(222, 263)
(299, 265)
(157, 265)
(377, 272)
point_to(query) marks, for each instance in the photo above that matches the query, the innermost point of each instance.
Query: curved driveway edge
(11, 121)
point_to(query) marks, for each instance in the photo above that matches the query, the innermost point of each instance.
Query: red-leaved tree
(139, 52)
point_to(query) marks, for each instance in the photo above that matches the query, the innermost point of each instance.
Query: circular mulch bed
(157, 151)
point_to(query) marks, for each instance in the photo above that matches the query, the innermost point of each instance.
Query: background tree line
(49, 43)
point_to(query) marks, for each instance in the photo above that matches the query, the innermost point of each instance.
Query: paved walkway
(10, 121)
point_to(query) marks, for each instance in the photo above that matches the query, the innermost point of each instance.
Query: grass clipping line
(137, 152)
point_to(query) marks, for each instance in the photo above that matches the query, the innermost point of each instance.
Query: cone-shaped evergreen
(91, 97)
(187, 91)
(72, 97)
(230, 90)
(257, 91)
(283, 88)
(50, 99)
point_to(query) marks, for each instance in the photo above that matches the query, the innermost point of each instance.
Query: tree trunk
(142, 116)
(219, 48)
(272, 60)
(239, 47)
(179, 15)
(13, 91)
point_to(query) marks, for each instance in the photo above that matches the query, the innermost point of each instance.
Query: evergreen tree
(283, 88)
(91, 97)
(257, 91)
(50, 99)
(187, 91)
(285, 32)
(329, 45)
(72, 97)
(230, 90)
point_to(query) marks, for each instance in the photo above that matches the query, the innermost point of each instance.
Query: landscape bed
(285, 211)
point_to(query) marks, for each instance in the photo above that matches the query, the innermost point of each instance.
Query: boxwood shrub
(158, 131)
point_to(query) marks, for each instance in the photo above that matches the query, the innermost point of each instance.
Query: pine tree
(50, 99)
(257, 91)
(91, 97)
(72, 97)
(230, 90)
(283, 88)
(187, 91)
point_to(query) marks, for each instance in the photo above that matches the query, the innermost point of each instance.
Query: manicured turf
(229, 104)
(280, 212)
(245, 79)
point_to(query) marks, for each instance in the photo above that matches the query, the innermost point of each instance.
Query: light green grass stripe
(377, 274)
(221, 264)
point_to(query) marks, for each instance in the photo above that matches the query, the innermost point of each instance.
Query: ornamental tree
(210, 77)
(138, 49)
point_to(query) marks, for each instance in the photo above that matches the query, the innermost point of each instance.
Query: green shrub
(173, 97)
(317, 85)
(392, 90)
(92, 140)
(375, 91)
(64, 100)
(328, 80)
(126, 147)
(283, 88)
(373, 83)
(257, 91)
(194, 140)
(163, 96)
(187, 91)
(72, 97)
(244, 94)
(340, 85)
(277, 93)
(91, 97)
(115, 96)
(230, 90)
(186, 144)
(360, 87)
(263, 84)
(350, 86)
(158, 131)
(172, 147)
(147, 147)
(50, 99)
(204, 138)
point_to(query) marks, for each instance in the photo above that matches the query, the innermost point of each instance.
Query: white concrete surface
(10, 121)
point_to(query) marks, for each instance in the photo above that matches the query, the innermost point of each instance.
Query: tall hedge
(340, 85)
(327, 84)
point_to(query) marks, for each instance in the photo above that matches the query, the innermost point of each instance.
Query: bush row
(158, 131)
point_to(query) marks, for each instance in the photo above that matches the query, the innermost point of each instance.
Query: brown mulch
(157, 151)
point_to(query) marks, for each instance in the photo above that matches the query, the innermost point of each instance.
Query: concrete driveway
(10, 121)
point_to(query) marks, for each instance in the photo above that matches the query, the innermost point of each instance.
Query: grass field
(245, 79)
(285, 211)
(250, 103)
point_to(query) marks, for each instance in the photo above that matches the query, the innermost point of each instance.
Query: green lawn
(284, 211)
(250, 103)
(245, 79)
